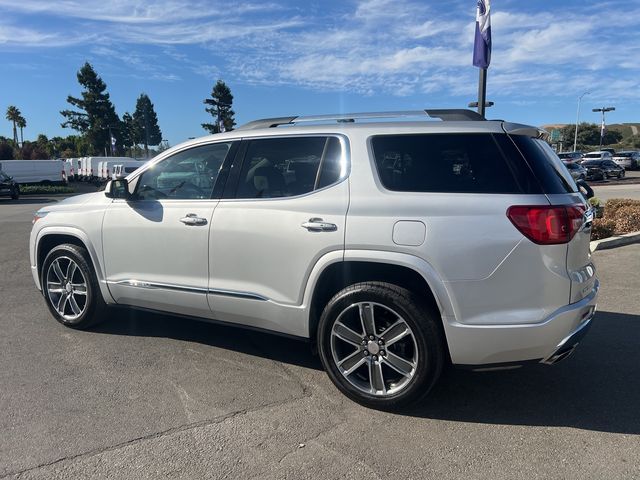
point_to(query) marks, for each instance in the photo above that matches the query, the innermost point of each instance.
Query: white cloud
(399, 47)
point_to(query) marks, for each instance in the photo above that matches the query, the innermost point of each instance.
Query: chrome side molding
(186, 288)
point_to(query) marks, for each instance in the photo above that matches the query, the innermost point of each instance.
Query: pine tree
(146, 123)
(96, 118)
(220, 108)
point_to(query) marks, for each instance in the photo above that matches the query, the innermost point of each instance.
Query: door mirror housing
(118, 188)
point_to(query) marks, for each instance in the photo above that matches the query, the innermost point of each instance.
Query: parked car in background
(8, 187)
(601, 169)
(610, 150)
(35, 171)
(629, 160)
(570, 157)
(577, 171)
(352, 235)
(600, 155)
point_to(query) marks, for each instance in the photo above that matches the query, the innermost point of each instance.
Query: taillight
(547, 224)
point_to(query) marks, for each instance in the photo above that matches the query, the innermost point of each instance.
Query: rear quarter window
(460, 163)
(547, 167)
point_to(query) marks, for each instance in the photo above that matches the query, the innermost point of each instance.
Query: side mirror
(118, 188)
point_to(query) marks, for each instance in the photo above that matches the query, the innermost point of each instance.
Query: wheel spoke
(344, 333)
(352, 362)
(74, 305)
(58, 271)
(376, 378)
(79, 288)
(71, 269)
(54, 287)
(395, 332)
(400, 365)
(366, 317)
(62, 303)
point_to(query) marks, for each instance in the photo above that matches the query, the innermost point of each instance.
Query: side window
(285, 167)
(463, 163)
(190, 174)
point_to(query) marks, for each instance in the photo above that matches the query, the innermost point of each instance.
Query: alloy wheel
(66, 288)
(374, 348)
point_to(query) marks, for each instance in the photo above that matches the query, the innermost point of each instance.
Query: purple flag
(482, 43)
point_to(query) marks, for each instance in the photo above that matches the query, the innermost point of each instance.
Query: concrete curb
(617, 241)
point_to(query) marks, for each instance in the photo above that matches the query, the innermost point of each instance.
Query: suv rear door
(285, 207)
(561, 189)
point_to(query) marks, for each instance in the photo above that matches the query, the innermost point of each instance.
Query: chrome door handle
(193, 219)
(317, 225)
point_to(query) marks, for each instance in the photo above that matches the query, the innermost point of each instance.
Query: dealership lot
(145, 396)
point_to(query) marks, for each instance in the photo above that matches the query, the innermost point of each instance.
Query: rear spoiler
(527, 130)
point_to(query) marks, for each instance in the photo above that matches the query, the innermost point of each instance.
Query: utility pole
(602, 126)
(575, 140)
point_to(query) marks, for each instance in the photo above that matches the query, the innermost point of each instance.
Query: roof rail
(442, 114)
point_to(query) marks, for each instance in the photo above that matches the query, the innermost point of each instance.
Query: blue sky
(288, 58)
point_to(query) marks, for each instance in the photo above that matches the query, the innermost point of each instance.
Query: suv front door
(156, 244)
(287, 209)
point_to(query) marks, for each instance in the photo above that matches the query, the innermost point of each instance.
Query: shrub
(602, 228)
(628, 219)
(44, 189)
(612, 207)
(594, 202)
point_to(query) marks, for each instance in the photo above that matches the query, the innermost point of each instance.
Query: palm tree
(21, 123)
(13, 115)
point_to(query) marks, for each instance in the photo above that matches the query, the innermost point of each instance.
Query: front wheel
(70, 287)
(381, 345)
(15, 194)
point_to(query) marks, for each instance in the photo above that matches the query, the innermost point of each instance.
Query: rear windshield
(593, 155)
(460, 163)
(548, 168)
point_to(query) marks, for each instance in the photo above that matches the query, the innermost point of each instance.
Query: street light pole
(603, 110)
(575, 140)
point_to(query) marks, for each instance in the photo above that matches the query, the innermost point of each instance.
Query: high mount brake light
(547, 224)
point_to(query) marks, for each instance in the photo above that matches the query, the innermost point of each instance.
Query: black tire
(423, 321)
(94, 309)
(15, 194)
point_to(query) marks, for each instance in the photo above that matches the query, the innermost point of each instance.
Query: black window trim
(231, 190)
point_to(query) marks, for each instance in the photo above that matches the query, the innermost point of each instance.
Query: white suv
(396, 247)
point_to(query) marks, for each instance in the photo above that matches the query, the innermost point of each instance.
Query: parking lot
(150, 396)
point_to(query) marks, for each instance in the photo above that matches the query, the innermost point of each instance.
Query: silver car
(629, 160)
(395, 247)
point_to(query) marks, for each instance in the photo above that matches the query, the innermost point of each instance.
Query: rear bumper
(548, 341)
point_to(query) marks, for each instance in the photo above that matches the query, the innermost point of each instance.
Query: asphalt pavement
(151, 396)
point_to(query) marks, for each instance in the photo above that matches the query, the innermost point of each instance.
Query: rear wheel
(15, 193)
(70, 287)
(380, 344)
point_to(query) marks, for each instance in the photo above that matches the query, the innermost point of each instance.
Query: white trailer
(123, 169)
(34, 171)
(90, 171)
(105, 168)
(74, 166)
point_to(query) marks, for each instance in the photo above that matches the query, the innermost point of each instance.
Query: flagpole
(482, 91)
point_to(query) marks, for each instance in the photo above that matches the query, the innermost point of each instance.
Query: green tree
(129, 133)
(219, 107)
(95, 117)
(21, 123)
(13, 115)
(588, 136)
(147, 131)
(6, 150)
